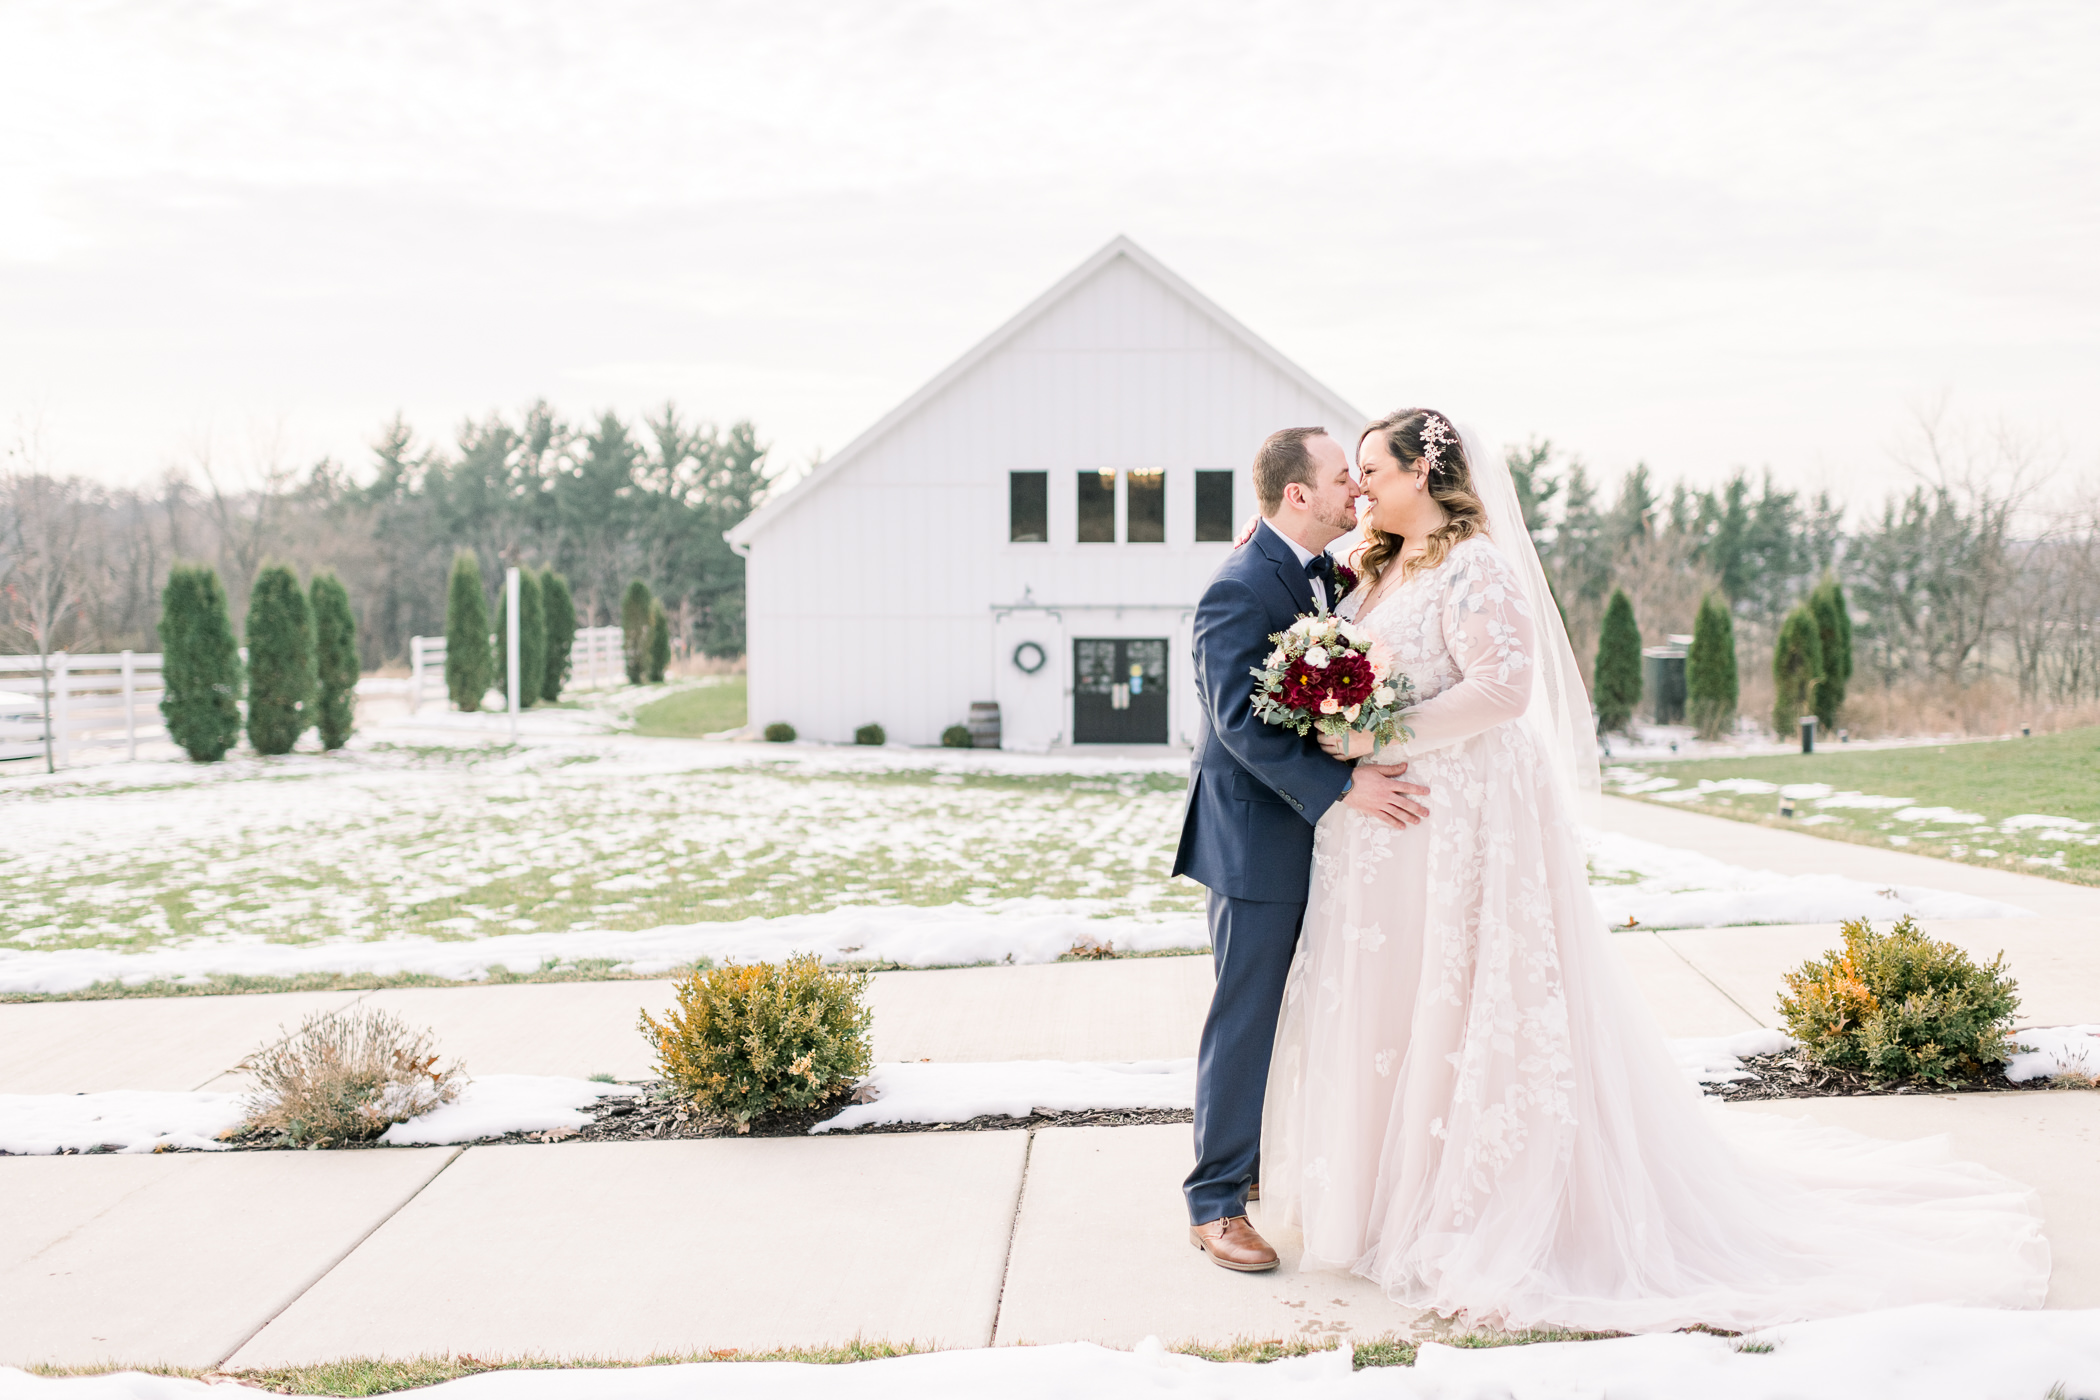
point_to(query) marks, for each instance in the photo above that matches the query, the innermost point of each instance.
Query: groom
(1255, 793)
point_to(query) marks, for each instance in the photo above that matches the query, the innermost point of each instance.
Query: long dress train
(1470, 1104)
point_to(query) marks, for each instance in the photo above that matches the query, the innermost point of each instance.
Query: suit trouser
(1252, 943)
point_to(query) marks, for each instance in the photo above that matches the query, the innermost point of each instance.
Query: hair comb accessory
(1436, 435)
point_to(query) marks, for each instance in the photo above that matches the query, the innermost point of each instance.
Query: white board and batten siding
(885, 587)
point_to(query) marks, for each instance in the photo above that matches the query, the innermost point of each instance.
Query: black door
(1119, 693)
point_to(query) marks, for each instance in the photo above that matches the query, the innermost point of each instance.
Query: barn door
(1119, 695)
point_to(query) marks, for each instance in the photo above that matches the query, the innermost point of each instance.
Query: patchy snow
(1922, 1353)
(1940, 815)
(1719, 1059)
(1665, 887)
(146, 1121)
(2047, 1051)
(124, 1120)
(955, 1093)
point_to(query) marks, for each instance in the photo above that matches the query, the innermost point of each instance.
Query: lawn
(2021, 804)
(708, 708)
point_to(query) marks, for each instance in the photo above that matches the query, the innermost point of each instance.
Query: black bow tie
(1320, 567)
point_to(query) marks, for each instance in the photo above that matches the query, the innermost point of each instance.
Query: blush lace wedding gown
(1471, 1105)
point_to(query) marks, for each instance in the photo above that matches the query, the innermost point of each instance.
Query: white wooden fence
(95, 702)
(595, 659)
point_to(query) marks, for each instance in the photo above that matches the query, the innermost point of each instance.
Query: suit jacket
(1255, 790)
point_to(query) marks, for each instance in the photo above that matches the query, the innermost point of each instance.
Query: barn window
(1213, 505)
(1147, 508)
(1028, 507)
(1097, 507)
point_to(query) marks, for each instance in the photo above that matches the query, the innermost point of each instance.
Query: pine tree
(200, 665)
(335, 659)
(659, 642)
(1710, 684)
(561, 632)
(281, 679)
(634, 629)
(1618, 670)
(1797, 664)
(1834, 632)
(467, 661)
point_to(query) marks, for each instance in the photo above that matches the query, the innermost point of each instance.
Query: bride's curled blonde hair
(1415, 436)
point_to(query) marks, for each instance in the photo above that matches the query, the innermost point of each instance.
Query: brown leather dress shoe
(1232, 1243)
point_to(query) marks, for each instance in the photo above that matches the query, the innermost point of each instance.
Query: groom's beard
(1342, 520)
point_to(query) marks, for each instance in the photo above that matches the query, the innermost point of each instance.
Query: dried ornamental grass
(346, 1076)
(1901, 1006)
(764, 1038)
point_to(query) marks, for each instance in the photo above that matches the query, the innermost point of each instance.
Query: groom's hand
(1378, 792)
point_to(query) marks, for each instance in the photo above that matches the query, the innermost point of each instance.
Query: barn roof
(779, 506)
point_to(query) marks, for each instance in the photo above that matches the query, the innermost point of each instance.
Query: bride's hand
(1346, 746)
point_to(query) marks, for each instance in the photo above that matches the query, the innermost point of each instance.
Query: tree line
(1985, 570)
(603, 502)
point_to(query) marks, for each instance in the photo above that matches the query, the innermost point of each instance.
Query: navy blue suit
(1255, 792)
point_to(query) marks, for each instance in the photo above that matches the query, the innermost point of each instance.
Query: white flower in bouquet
(1330, 706)
(1275, 658)
(1352, 712)
(1316, 655)
(1382, 696)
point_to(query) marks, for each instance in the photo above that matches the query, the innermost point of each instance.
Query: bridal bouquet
(1321, 677)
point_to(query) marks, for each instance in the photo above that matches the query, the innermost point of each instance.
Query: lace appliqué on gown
(1469, 1103)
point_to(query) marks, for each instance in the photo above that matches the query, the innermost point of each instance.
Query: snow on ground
(1719, 1059)
(925, 1092)
(1664, 887)
(1924, 1353)
(145, 1121)
(2048, 1051)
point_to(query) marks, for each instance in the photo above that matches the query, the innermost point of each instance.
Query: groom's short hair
(1283, 459)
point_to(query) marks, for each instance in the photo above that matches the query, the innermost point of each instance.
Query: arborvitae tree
(467, 661)
(634, 629)
(561, 632)
(1618, 671)
(1834, 632)
(200, 668)
(335, 659)
(1797, 664)
(281, 679)
(659, 642)
(1709, 668)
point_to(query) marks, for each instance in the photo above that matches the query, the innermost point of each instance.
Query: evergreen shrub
(335, 660)
(468, 665)
(1618, 670)
(754, 1040)
(1797, 664)
(560, 609)
(1834, 631)
(780, 732)
(957, 736)
(635, 608)
(1901, 1006)
(1710, 685)
(200, 664)
(281, 672)
(659, 643)
(871, 734)
(346, 1076)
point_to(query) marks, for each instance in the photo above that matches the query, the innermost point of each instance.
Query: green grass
(2051, 775)
(362, 1376)
(705, 709)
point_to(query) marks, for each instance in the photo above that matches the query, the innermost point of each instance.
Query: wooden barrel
(984, 725)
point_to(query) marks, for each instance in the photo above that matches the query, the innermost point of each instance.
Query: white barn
(1033, 527)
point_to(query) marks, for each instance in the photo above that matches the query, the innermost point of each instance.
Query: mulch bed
(655, 1116)
(1790, 1074)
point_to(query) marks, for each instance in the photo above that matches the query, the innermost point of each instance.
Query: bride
(1468, 1101)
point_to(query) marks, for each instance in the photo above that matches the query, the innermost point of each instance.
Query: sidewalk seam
(1754, 1017)
(1013, 1228)
(332, 1265)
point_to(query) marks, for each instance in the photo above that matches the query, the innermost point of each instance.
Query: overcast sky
(1701, 235)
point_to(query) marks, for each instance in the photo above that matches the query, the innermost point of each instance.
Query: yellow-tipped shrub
(1900, 1005)
(764, 1038)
